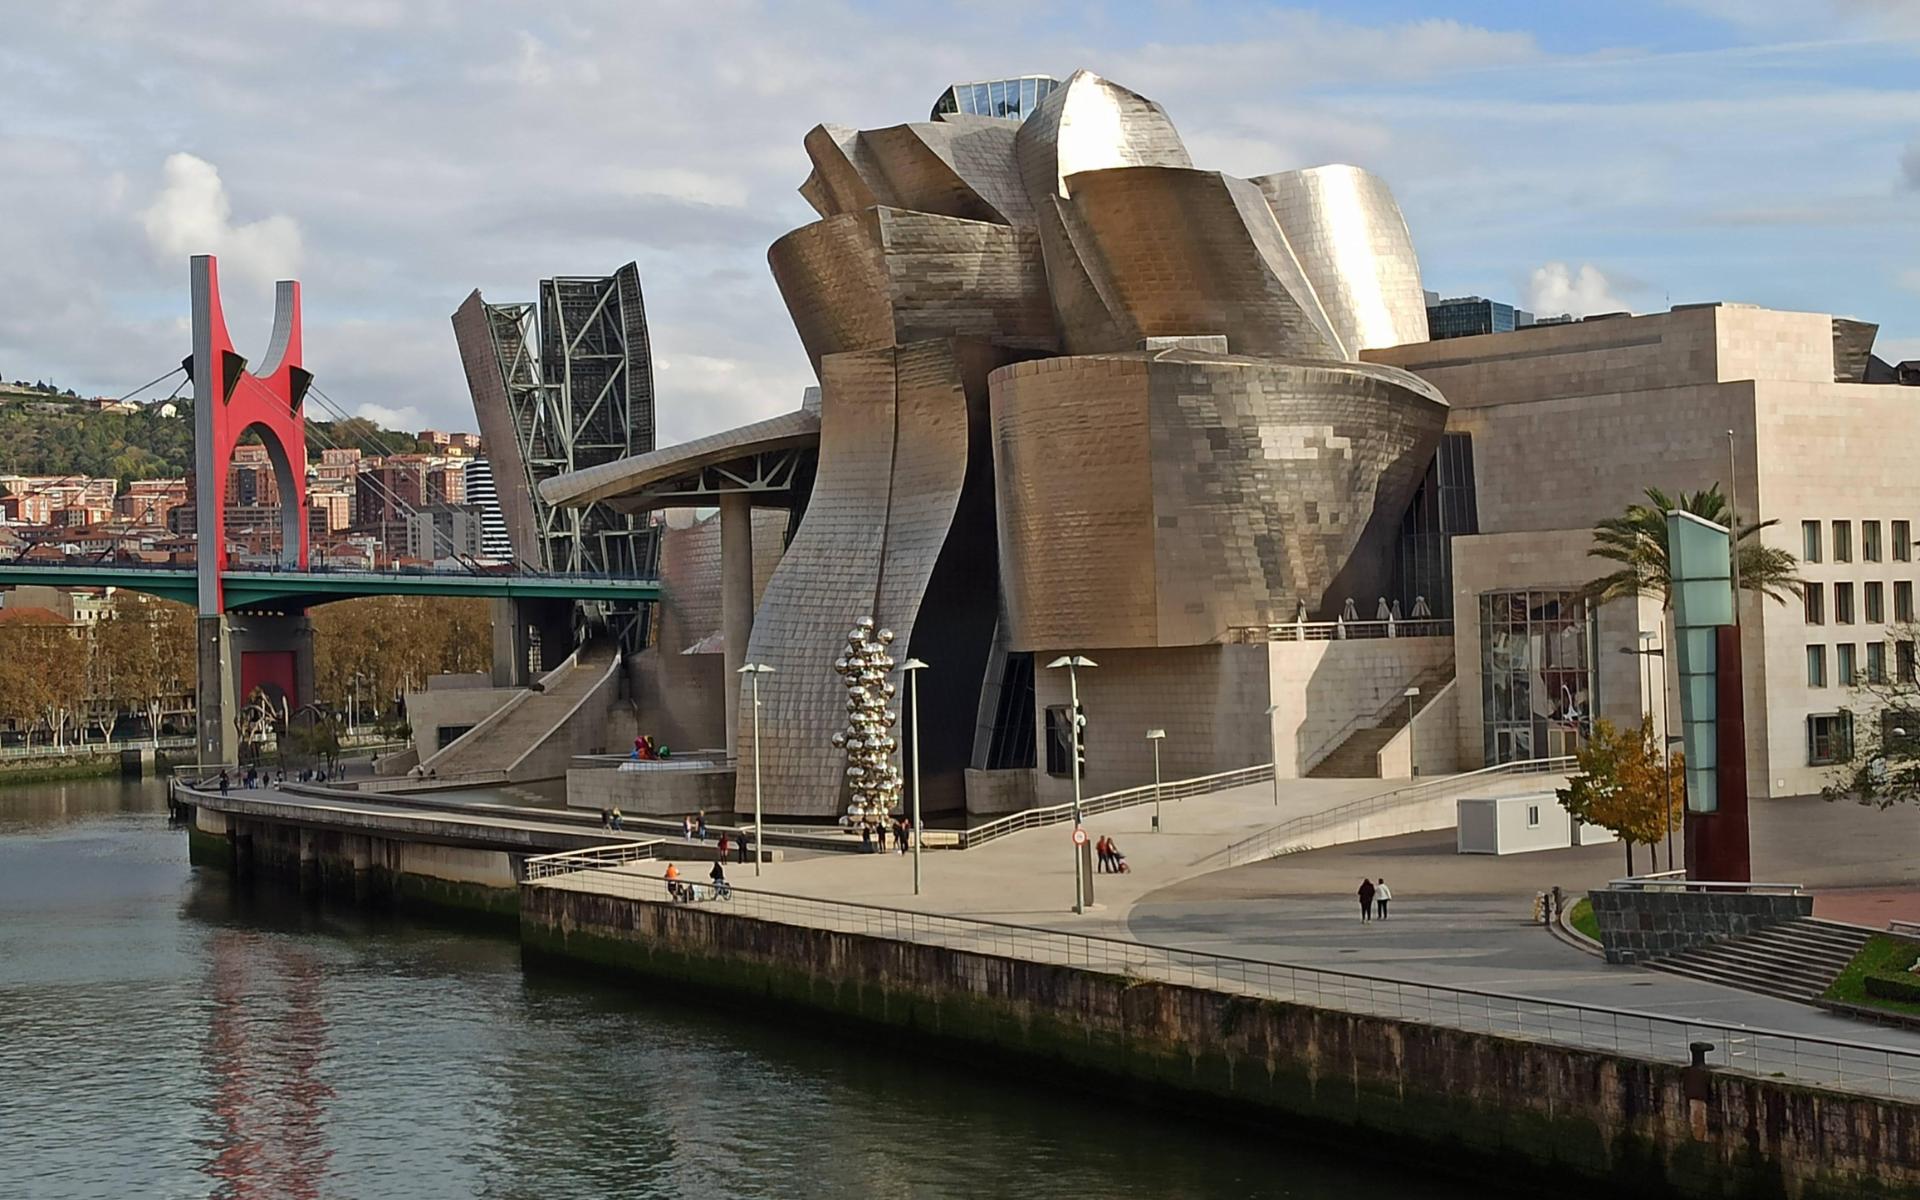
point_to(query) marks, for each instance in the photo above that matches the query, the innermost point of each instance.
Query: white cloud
(194, 215)
(1910, 166)
(408, 419)
(1910, 279)
(1556, 289)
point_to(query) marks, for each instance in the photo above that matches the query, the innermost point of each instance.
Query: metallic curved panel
(1179, 252)
(962, 168)
(625, 482)
(861, 281)
(1352, 240)
(1089, 124)
(895, 460)
(845, 177)
(1156, 500)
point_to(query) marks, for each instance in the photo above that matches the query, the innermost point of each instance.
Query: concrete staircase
(1358, 757)
(497, 745)
(1795, 960)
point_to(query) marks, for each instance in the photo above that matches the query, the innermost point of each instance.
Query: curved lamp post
(1073, 662)
(913, 667)
(753, 672)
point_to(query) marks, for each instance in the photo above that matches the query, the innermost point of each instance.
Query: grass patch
(1885, 956)
(1581, 917)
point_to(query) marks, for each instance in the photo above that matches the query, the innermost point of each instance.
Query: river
(165, 1035)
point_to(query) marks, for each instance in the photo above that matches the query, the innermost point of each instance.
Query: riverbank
(1478, 1102)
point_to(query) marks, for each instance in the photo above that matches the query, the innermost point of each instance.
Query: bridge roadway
(252, 589)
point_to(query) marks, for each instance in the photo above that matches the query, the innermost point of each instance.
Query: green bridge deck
(253, 589)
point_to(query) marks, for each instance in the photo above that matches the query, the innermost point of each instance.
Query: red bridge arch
(230, 400)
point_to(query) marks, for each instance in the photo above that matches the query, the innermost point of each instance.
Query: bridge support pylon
(243, 658)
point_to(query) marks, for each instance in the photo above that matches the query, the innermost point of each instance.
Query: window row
(1847, 670)
(1870, 545)
(1873, 597)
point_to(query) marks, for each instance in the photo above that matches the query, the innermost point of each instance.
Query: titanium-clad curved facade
(1076, 395)
(1157, 499)
(1353, 244)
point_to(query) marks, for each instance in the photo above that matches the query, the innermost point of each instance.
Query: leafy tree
(1637, 541)
(1881, 764)
(45, 674)
(1624, 784)
(145, 655)
(378, 647)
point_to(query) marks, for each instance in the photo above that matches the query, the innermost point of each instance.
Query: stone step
(1733, 979)
(1814, 977)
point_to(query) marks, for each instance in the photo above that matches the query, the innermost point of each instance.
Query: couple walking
(1374, 895)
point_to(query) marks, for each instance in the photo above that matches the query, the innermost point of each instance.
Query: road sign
(1079, 836)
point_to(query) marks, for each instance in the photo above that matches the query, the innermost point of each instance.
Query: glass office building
(1014, 98)
(1466, 316)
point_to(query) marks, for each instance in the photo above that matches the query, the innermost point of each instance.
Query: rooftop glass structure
(1470, 315)
(1013, 98)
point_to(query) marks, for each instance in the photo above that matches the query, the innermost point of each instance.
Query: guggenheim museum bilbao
(1080, 396)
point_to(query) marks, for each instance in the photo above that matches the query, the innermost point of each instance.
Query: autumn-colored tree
(143, 654)
(1622, 783)
(46, 673)
(378, 647)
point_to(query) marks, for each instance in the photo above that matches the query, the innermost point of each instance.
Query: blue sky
(395, 155)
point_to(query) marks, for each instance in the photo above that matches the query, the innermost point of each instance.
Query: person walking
(700, 827)
(1100, 851)
(617, 822)
(1366, 899)
(743, 845)
(1381, 894)
(686, 828)
(866, 838)
(223, 781)
(726, 843)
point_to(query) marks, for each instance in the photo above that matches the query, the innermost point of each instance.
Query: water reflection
(170, 1034)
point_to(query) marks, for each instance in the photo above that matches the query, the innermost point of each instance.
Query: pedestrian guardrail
(1056, 814)
(77, 749)
(1301, 833)
(546, 866)
(1677, 881)
(1335, 631)
(1751, 1050)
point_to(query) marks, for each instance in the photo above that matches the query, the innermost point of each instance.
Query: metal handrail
(1751, 1050)
(1678, 882)
(1334, 631)
(1055, 814)
(1290, 834)
(546, 866)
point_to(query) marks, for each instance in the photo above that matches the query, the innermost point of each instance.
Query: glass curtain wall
(1536, 667)
(1443, 508)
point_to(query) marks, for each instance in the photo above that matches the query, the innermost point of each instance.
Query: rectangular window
(1875, 598)
(1876, 662)
(1059, 741)
(1870, 541)
(1810, 541)
(1533, 816)
(1829, 738)
(1843, 664)
(1903, 600)
(1816, 666)
(1843, 604)
(1902, 542)
(1815, 598)
(1843, 541)
(1903, 661)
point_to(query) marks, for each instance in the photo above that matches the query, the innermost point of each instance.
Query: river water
(163, 1035)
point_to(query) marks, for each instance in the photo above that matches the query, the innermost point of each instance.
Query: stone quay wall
(1636, 925)
(1578, 1121)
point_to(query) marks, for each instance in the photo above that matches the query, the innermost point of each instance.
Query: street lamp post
(1073, 662)
(1413, 765)
(913, 667)
(753, 672)
(1156, 736)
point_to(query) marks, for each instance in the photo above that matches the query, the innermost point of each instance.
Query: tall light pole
(913, 667)
(1073, 663)
(753, 672)
(1156, 736)
(1413, 766)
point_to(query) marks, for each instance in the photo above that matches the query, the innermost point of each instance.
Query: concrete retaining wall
(1637, 925)
(657, 790)
(1529, 1110)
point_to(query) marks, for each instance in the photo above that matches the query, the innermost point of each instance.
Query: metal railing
(1677, 881)
(1861, 1066)
(75, 749)
(1334, 631)
(1055, 814)
(1300, 832)
(593, 858)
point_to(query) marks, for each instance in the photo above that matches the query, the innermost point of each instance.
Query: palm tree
(1637, 540)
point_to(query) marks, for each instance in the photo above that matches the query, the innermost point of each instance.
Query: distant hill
(46, 433)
